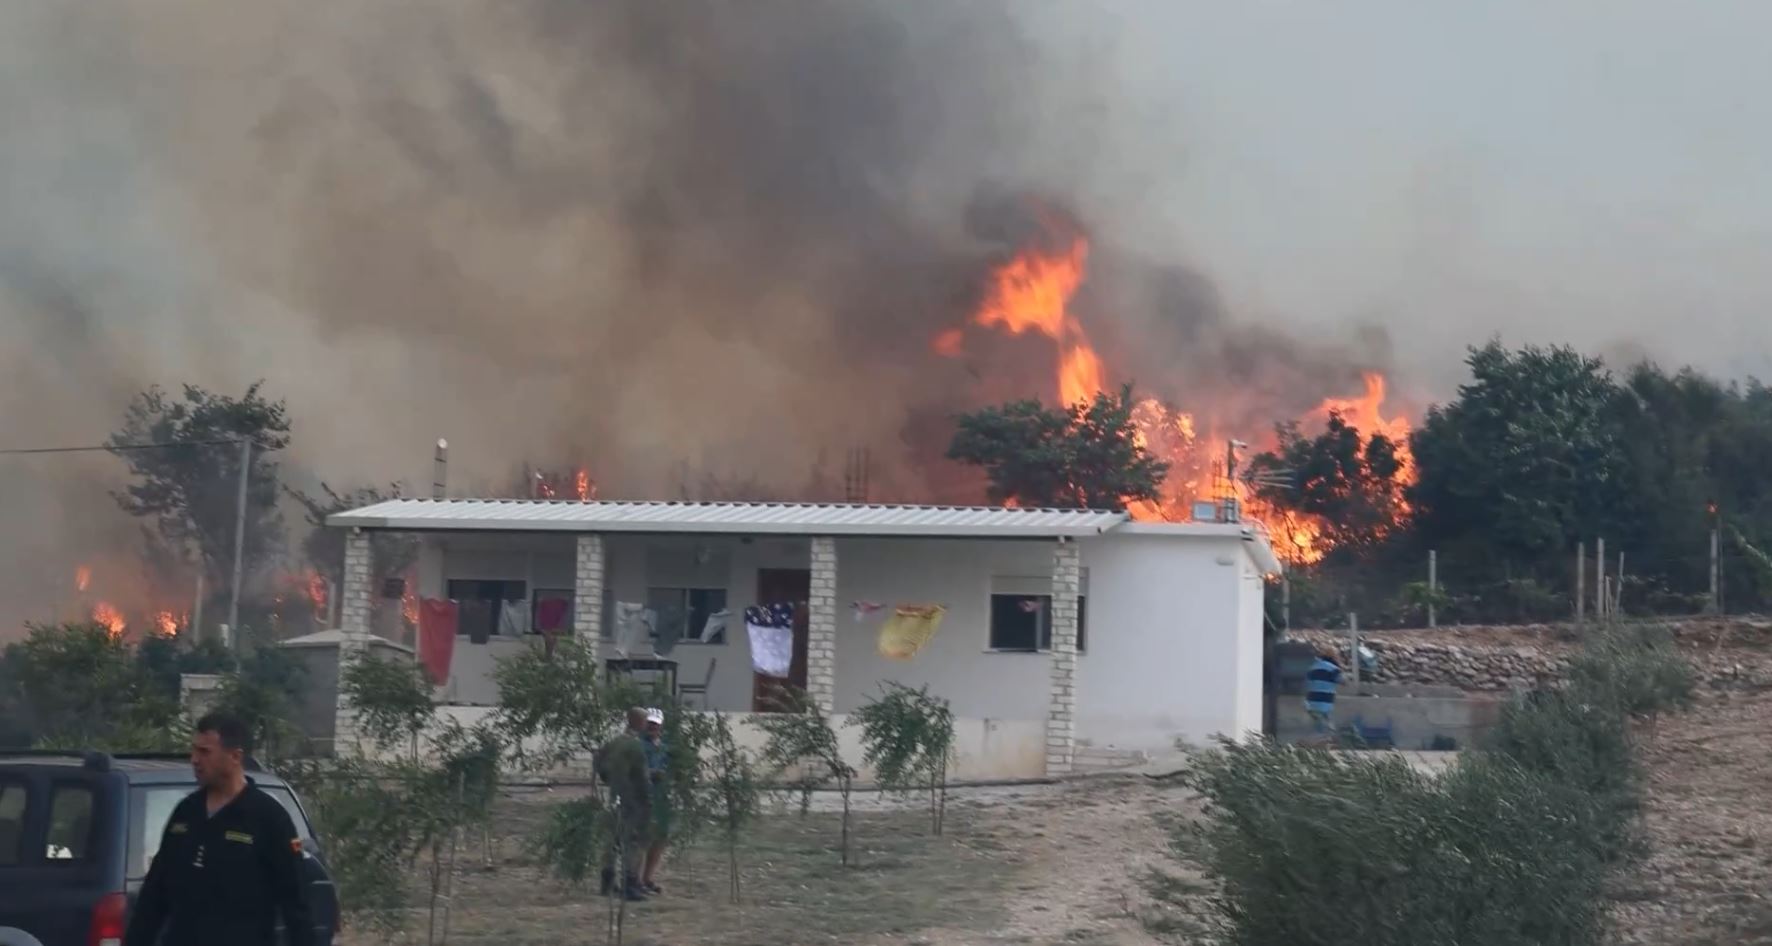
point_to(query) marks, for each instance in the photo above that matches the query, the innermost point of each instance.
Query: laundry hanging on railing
(633, 627)
(771, 630)
(667, 627)
(909, 629)
(438, 620)
(865, 609)
(513, 618)
(714, 631)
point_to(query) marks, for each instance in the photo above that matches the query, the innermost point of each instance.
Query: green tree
(191, 493)
(1347, 480)
(1529, 458)
(1085, 456)
(78, 686)
(908, 738)
(802, 742)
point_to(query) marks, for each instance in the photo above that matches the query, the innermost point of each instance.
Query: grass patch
(796, 891)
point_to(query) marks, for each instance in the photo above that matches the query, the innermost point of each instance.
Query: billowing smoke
(650, 237)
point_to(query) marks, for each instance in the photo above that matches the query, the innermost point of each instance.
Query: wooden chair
(699, 689)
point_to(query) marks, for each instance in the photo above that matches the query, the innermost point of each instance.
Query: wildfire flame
(82, 577)
(316, 591)
(584, 486)
(1033, 291)
(409, 600)
(165, 624)
(111, 619)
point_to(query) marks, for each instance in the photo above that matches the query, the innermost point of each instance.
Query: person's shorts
(1319, 720)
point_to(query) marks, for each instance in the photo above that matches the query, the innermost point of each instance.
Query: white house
(1061, 627)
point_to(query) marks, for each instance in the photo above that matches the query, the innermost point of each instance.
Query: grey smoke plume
(643, 235)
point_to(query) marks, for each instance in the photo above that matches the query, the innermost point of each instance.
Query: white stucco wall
(1173, 642)
(1169, 643)
(983, 749)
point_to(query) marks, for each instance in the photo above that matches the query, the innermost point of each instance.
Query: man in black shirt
(229, 861)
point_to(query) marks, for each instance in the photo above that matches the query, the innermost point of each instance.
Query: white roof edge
(836, 519)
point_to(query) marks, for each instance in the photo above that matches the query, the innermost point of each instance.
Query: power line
(120, 448)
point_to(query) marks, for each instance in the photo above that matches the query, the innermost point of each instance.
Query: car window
(12, 822)
(149, 809)
(70, 823)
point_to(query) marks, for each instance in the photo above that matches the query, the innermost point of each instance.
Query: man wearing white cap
(657, 769)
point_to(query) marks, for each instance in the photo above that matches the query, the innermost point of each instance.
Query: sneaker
(654, 889)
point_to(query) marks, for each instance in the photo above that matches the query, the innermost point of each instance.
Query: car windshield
(150, 806)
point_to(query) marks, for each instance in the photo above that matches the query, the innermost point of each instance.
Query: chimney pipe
(440, 473)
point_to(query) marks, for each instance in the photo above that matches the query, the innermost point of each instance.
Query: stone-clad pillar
(356, 614)
(1061, 725)
(821, 626)
(587, 594)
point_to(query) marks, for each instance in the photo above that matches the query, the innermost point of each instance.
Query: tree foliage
(191, 494)
(803, 745)
(1085, 456)
(1343, 476)
(908, 739)
(1541, 449)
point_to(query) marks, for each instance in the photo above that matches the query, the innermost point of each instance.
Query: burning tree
(1088, 455)
(190, 494)
(1344, 491)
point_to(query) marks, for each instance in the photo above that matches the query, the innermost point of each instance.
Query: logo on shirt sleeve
(295, 845)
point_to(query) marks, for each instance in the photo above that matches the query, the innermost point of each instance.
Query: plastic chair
(700, 689)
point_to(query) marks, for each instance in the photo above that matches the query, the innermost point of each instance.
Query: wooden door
(775, 586)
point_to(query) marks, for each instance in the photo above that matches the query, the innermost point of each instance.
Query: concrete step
(1106, 759)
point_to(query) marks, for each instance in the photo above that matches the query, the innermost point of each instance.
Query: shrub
(1634, 669)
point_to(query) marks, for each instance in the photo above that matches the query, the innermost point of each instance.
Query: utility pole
(239, 538)
(197, 605)
(1286, 600)
(1433, 585)
(1600, 579)
(1617, 606)
(1580, 583)
(1353, 629)
(1716, 549)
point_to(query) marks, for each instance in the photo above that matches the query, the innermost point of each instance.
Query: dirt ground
(1058, 864)
(1049, 864)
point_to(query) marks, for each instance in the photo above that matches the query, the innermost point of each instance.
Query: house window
(12, 822)
(1021, 615)
(478, 602)
(551, 604)
(686, 611)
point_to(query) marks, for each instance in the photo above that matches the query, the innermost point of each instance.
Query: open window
(1021, 615)
(688, 613)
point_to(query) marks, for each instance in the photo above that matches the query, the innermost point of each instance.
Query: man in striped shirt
(1319, 689)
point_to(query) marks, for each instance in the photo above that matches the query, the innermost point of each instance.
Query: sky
(649, 234)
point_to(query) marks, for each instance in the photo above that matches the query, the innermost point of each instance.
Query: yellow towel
(908, 630)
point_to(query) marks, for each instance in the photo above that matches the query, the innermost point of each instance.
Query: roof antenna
(440, 470)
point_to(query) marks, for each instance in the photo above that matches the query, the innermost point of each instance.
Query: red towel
(437, 622)
(550, 614)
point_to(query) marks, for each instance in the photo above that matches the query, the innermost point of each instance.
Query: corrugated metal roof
(522, 515)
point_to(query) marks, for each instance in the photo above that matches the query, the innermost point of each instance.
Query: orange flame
(409, 600)
(165, 624)
(316, 590)
(1033, 291)
(82, 577)
(584, 486)
(111, 619)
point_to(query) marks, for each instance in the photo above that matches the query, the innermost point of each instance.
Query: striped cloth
(1319, 686)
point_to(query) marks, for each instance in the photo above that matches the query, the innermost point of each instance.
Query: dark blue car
(77, 831)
